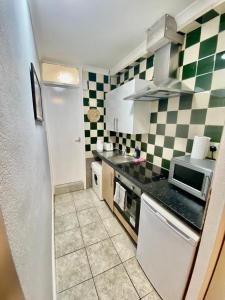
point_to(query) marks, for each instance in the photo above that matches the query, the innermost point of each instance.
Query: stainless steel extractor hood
(164, 42)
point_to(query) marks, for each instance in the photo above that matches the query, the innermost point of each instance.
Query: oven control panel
(129, 184)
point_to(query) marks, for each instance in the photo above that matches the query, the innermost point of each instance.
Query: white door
(64, 120)
(125, 112)
(111, 106)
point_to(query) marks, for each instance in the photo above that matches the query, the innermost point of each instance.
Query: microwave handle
(205, 186)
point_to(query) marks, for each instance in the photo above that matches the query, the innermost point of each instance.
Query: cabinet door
(120, 113)
(125, 115)
(108, 184)
(111, 110)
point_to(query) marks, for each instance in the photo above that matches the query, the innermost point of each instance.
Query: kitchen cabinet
(127, 116)
(108, 175)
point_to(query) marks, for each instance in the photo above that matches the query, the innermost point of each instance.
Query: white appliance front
(65, 133)
(165, 250)
(97, 178)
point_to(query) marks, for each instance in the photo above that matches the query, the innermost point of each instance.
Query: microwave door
(189, 180)
(190, 177)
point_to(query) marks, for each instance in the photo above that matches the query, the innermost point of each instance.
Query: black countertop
(187, 207)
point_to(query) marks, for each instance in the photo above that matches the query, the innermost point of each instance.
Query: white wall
(25, 188)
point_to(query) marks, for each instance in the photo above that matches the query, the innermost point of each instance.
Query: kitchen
(119, 185)
(175, 120)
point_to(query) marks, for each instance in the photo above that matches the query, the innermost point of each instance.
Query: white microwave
(192, 175)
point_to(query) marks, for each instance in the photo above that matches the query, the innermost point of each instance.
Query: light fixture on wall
(223, 56)
(60, 75)
(66, 77)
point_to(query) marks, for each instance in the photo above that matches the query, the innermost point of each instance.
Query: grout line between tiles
(86, 246)
(131, 280)
(107, 270)
(88, 261)
(126, 270)
(91, 273)
(73, 286)
(70, 252)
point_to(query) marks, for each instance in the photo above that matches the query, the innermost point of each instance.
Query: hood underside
(153, 91)
(164, 42)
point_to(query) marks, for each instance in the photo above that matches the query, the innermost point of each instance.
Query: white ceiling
(95, 32)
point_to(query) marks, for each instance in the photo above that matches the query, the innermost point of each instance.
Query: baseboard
(69, 187)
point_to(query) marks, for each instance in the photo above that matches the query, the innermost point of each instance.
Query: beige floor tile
(68, 241)
(138, 277)
(102, 256)
(63, 198)
(88, 216)
(93, 233)
(115, 284)
(152, 296)
(64, 207)
(104, 212)
(72, 269)
(83, 203)
(112, 226)
(97, 202)
(84, 194)
(82, 291)
(124, 246)
(66, 222)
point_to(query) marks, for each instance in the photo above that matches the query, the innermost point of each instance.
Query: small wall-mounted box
(60, 75)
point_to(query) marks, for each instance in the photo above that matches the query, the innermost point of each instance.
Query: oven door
(131, 211)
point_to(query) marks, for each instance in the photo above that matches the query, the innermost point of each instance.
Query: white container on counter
(108, 146)
(99, 145)
(200, 147)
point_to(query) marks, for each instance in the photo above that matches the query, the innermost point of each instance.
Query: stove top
(144, 172)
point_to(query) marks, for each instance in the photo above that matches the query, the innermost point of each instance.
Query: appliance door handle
(205, 186)
(114, 124)
(168, 223)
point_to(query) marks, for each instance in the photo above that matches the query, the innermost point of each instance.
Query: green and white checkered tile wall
(174, 122)
(93, 96)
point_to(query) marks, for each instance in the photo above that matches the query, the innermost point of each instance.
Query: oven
(132, 202)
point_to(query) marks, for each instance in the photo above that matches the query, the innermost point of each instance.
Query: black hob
(144, 172)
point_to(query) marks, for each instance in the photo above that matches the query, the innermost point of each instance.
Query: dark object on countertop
(136, 152)
(212, 150)
(128, 150)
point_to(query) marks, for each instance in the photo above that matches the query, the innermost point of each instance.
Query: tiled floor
(95, 258)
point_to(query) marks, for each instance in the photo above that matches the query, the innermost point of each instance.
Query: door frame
(80, 88)
(213, 232)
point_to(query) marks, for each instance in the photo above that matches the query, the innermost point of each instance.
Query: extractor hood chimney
(164, 41)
